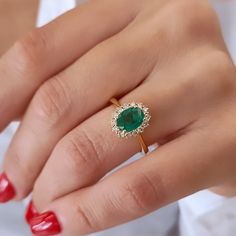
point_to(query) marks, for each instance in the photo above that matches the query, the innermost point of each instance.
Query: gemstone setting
(130, 119)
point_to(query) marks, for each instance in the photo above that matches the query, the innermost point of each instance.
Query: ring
(130, 120)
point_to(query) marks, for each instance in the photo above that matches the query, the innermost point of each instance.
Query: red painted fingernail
(31, 212)
(7, 191)
(45, 224)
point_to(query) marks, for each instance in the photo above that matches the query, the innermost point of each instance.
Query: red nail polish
(45, 224)
(7, 191)
(31, 212)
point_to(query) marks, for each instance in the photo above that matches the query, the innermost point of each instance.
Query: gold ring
(129, 120)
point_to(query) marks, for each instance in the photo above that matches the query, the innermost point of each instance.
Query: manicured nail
(7, 191)
(31, 212)
(45, 224)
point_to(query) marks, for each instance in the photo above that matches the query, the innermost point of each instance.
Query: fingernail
(31, 212)
(45, 224)
(7, 191)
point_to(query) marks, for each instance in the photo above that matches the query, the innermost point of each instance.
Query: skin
(178, 66)
(16, 19)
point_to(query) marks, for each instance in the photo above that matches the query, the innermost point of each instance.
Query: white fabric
(202, 214)
(50, 9)
(207, 214)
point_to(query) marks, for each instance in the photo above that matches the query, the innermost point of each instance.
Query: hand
(170, 55)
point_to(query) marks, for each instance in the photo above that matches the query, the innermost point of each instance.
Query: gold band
(144, 147)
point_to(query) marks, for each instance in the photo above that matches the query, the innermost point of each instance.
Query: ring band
(130, 120)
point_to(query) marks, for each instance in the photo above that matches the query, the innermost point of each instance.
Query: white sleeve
(207, 214)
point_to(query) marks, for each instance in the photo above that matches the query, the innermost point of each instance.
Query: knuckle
(141, 196)
(28, 52)
(52, 101)
(87, 219)
(223, 71)
(194, 17)
(222, 62)
(215, 75)
(84, 151)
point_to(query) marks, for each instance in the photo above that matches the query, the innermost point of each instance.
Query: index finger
(48, 50)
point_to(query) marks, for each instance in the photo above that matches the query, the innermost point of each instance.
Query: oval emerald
(130, 119)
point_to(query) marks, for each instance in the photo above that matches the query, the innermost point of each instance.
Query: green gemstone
(130, 119)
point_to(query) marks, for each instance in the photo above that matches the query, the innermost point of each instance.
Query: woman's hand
(170, 55)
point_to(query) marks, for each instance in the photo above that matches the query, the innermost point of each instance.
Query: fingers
(91, 150)
(73, 45)
(70, 97)
(175, 170)
(46, 51)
